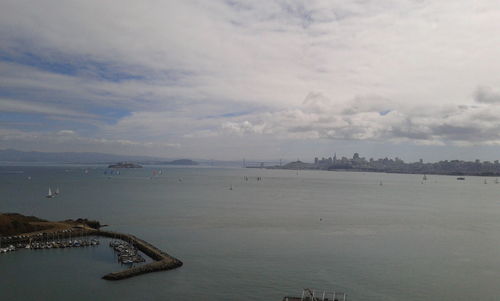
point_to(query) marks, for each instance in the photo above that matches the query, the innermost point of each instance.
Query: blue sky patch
(383, 113)
(68, 65)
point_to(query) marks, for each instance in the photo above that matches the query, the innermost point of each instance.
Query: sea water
(407, 239)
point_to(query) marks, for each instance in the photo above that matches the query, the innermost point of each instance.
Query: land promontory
(15, 223)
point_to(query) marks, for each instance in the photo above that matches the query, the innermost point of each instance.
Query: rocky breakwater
(162, 260)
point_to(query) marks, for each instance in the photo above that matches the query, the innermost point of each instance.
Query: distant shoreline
(388, 172)
(398, 166)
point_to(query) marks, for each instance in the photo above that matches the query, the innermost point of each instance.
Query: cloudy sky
(255, 79)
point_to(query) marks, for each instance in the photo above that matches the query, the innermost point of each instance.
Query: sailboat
(49, 195)
(231, 187)
(496, 181)
(57, 191)
(485, 182)
(424, 178)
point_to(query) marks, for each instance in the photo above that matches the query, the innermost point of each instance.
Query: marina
(126, 253)
(126, 247)
(162, 261)
(50, 240)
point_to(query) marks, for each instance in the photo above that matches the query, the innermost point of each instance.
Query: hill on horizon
(17, 156)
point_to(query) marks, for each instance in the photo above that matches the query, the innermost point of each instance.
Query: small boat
(231, 187)
(49, 194)
(461, 178)
(380, 184)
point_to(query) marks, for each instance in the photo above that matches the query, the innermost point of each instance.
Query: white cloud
(68, 140)
(377, 119)
(398, 71)
(66, 132)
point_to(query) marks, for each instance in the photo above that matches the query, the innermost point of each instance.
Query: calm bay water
(405, 240)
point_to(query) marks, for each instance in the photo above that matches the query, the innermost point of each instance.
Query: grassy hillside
(14, 223)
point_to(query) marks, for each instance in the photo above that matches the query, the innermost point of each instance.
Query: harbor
(126, 253)
(48, 240)
(162, 261)
(128, 248)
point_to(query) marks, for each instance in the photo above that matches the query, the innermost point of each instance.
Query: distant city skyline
(261, 80)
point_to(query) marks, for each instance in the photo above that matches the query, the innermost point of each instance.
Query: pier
(314, 295)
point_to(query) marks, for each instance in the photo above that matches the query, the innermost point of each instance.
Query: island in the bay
(24, 233)
(124, 165)
(180, 162)
(396, 165)
(183, 162)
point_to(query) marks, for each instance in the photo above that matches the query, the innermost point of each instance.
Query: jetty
(162, 260)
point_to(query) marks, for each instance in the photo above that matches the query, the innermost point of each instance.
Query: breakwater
(163, 261)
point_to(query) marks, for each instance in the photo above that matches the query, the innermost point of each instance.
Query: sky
(259, 79)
